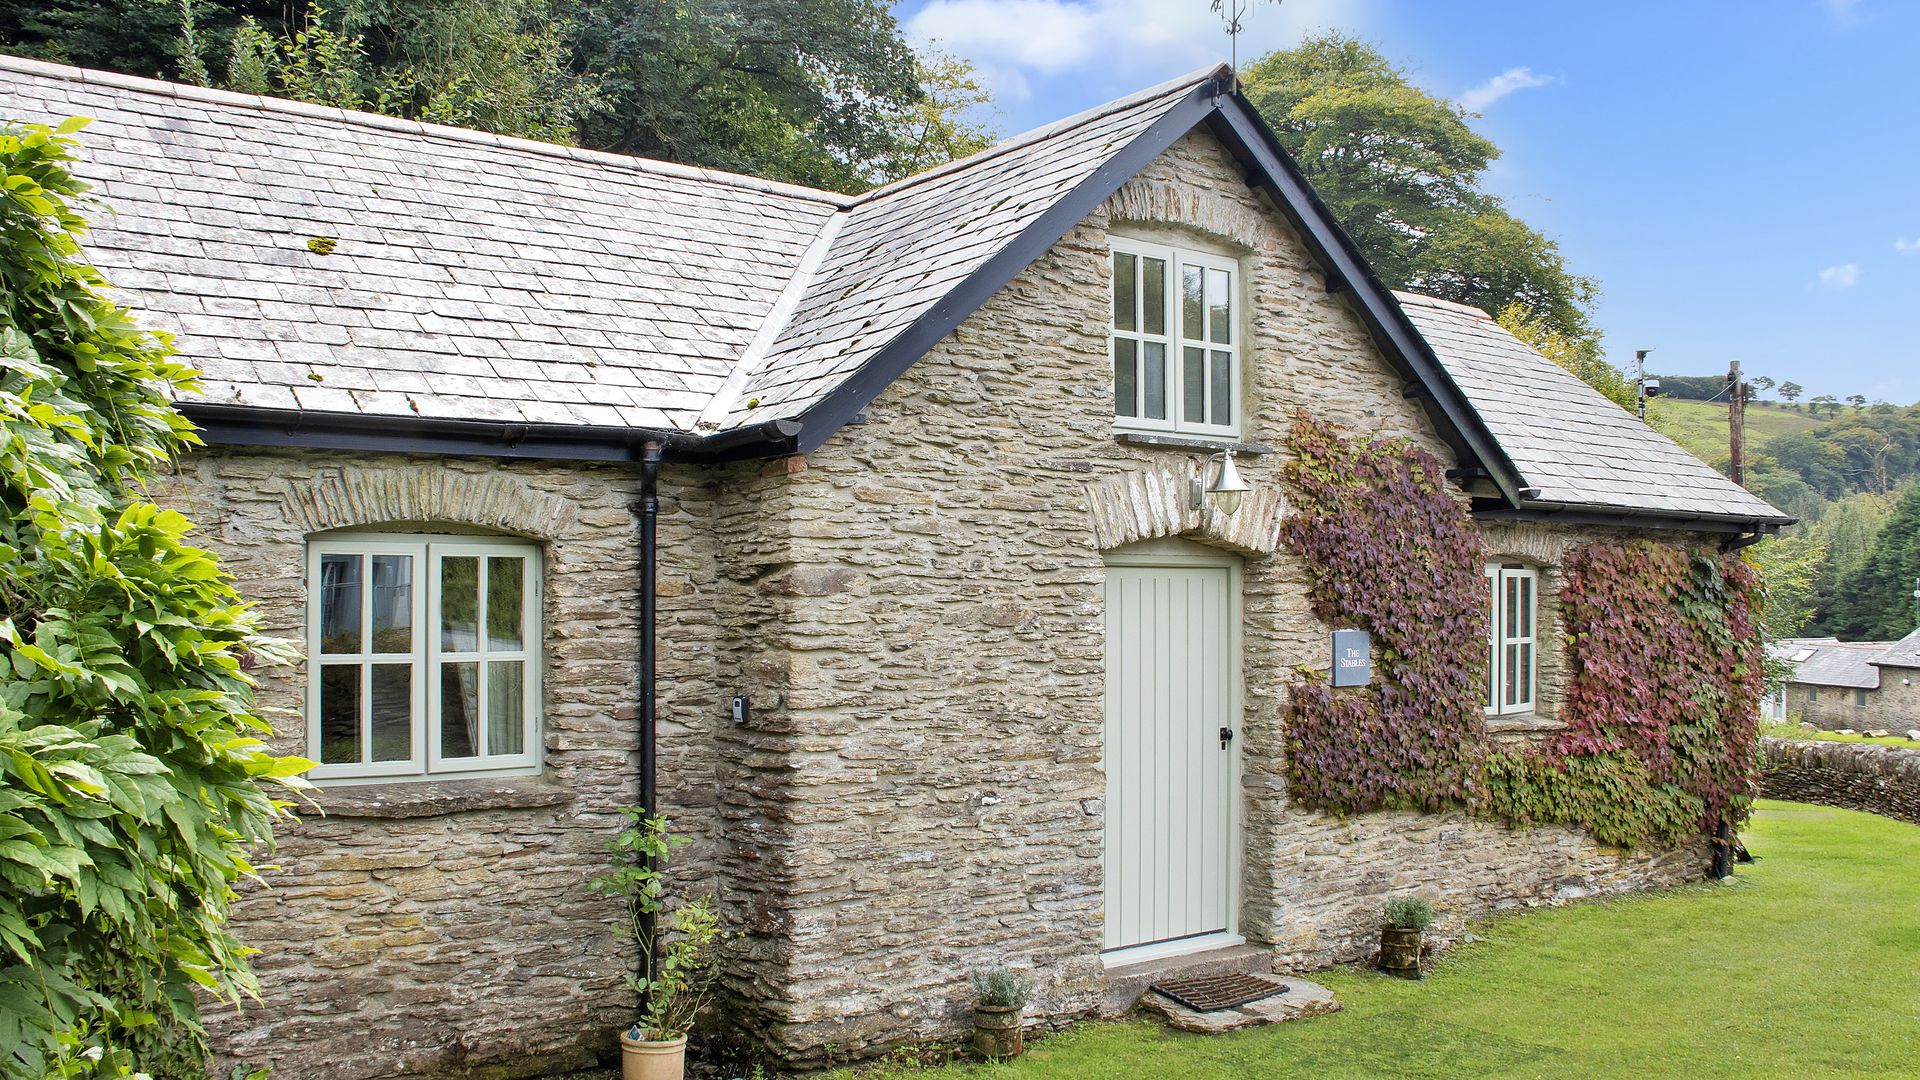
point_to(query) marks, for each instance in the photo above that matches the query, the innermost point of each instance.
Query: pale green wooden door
(1172, 665)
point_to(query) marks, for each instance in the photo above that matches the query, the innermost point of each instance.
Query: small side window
(1513, 594)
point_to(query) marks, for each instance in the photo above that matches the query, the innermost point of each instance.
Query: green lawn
(1806, 965)
(1701, 426)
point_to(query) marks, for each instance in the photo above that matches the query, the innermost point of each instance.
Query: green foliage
(1402, 173)
(683, 976)
(1001, 988)
(1409, 913)
(1579, 355)
(1875, 601)
(132, 783)
(1790, 566)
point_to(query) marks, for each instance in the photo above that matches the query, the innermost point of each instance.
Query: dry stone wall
(1855, 776)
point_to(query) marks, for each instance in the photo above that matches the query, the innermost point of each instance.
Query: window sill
(1522, 723)
(1210, 444)
(434, 798)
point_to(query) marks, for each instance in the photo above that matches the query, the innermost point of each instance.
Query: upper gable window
(1175, 341)
(422, 656)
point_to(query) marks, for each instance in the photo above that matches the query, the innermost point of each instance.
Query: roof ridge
(1045, 131)
(380, 121)
(1443, 302)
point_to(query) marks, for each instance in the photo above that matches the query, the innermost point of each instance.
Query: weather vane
(1234, 13)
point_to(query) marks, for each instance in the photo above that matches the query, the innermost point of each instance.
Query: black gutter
(1565, 514)
(247, 425)
(651, 454)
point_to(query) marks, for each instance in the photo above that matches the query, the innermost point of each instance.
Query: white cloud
(1128, 42)
(1508, 81)
(1844, 276)
(1907, 247)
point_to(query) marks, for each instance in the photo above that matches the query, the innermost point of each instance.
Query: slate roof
(480, 279)
(1904, 653)
(1579, 448)
(1831, 662)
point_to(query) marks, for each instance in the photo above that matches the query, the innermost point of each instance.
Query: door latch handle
(1226, 737)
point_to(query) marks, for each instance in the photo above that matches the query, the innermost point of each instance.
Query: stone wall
(1895, 706)
(1855, 776)
(433, 929)
(934, 662)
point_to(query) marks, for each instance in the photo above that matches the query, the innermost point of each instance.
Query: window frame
(1175, 341)
(1500, 639)
(426, 656)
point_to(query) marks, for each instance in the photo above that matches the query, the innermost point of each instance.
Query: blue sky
(1742, 178)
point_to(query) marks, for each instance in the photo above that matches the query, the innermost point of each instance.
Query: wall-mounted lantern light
(1226, 488)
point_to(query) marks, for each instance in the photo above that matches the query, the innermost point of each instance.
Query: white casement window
(1513, 592)
(423, 656)
(1175, 341)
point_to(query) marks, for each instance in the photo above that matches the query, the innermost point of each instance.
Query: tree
(1581, 356)
(1760, 383)
(1792, 567)
(1875, 601)
(1858, 401)
(1401, 171)
(1828, 402)
(1791, 391)
(133, 789)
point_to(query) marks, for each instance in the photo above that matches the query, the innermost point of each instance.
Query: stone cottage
(1852, 685)
(958, 661)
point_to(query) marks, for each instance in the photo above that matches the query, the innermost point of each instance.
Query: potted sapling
(672, 993)
(1407, 920)
(999, 996)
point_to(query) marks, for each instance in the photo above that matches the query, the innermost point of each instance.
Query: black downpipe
(650, 455)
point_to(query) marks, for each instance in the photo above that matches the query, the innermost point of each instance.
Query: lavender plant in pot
(999, 995)
(654, 1047)
(1408, 918)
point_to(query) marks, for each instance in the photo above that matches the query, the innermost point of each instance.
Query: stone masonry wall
(1855, 776)
(1895, 706)
(931, 583)
(445, 928)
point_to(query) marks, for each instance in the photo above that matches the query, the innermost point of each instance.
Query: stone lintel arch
(1152, 501)
(353, 497)
(1540, 545)
(1158, 203)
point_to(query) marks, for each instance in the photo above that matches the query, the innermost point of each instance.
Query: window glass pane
(1513, 672)
(1492, 695)
(1220, 306)
(1153, 300)
(1156, 379)
(459, 710)
(1126, 377)
(506, 684)
(1193, 391)
(392, 712)
(505, 591)
(1123, 291)
(339, 603)
(1513, 608)
(339, 713)
(1222, 387)
(1526, 607)
(1192, 304)
(460, 603)
(1524, 695)
(392, 603)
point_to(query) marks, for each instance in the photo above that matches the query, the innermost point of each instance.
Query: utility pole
(1640, 378)
(1737, 424)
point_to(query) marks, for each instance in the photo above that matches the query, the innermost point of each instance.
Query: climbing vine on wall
(1660, 709)
(1661, 713)
(1393, 553)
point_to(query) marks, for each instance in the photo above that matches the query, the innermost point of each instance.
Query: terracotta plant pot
(996, 1032)
(1400, 952)
(642, 1059)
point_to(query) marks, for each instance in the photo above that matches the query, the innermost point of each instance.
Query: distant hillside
(1701, 426)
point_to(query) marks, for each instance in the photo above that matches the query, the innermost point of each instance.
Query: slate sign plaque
(1352, 658)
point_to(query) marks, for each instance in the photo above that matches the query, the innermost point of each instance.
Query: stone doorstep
(1126, 985)
(1302, 1000)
